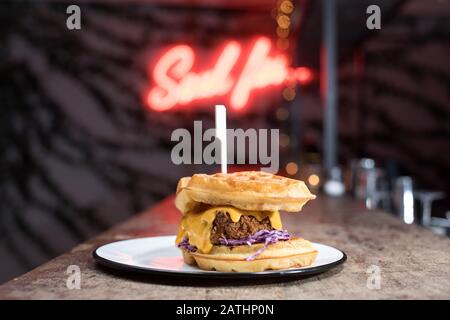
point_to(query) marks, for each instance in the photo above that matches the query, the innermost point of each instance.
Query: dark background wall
(396, 89)
(81, 152)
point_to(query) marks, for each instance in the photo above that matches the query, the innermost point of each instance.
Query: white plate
(160, 255)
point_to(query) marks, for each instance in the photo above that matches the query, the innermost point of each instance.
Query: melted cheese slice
(197, 225)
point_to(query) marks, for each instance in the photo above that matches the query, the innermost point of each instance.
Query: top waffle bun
(247, 190)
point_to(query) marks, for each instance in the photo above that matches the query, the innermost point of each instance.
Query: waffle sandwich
(231, 222)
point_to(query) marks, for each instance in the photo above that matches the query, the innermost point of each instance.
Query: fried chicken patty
(223, 226)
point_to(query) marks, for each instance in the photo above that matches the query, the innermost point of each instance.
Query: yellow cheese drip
(197, 226)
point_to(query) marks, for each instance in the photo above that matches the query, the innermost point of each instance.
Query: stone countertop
(413, 262)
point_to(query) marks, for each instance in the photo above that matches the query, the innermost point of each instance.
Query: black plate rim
(216, 275)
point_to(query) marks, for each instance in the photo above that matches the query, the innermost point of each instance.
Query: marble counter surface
(412, 262)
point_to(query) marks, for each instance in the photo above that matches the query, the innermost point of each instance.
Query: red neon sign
(234, 76)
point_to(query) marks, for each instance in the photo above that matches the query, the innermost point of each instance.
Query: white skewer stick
(221, 134)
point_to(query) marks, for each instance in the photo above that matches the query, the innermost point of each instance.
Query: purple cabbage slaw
(185, 245)
(263, 236)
